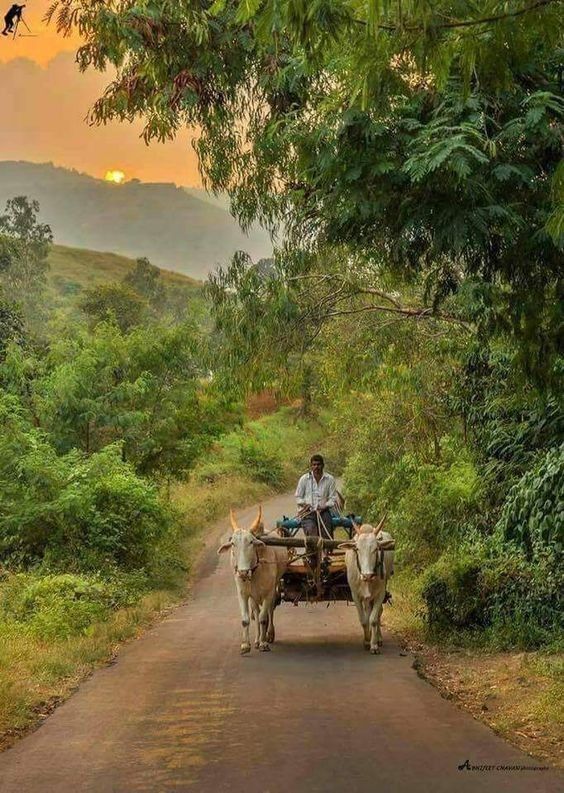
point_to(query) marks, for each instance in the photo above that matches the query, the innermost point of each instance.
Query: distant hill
(74, 269)
(169, 225)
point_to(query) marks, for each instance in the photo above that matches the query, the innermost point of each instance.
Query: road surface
(182, 710)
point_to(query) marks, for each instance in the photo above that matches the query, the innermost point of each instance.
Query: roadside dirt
(506, 691)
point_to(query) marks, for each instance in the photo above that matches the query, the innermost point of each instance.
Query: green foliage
(116, 302)
(508, 422)
(262, 465)
(493, 593)
(424, 136)
(24, 245)
(11, 326)
(20, 221)
(533, 514)
(143, 389)
(90, 512)
(58, 606)
(145, 279)
(271, 451)
(452, 592)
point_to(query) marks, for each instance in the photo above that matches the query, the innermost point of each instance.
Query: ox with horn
(370, 563)
(257, 569)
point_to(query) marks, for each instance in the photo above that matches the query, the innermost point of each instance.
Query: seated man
(316, 494)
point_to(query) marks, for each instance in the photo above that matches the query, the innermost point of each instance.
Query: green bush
(533, 514)
(428, 504)
(261, 463)
(54, 606)
(492, 589)
(525, 597)
(452, 590)
(86, 512)
(109, 513)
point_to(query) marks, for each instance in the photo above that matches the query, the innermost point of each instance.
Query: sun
(117, 177)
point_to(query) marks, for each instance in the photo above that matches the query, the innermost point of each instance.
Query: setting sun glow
(115, 176)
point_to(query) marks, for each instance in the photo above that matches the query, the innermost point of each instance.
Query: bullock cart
(316, 570)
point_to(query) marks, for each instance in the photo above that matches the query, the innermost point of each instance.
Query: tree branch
(464, 23)
(416, 313)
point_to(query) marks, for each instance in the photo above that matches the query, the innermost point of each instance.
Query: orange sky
(45, 100)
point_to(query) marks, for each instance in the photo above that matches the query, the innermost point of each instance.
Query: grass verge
(517, 694)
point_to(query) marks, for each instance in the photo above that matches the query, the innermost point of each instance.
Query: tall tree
(427, 137)
(24, 245)
(145, 279)
(116, 302)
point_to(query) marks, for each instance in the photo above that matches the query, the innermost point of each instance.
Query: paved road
(182, 710)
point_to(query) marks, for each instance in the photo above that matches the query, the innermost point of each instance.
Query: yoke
(318, 575)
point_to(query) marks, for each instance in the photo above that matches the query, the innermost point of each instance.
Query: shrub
(260, 462)
(428, 504)
(90, 511)
(533, 514)
(55, 606)
(525, 598)
(109, 514)
(491, 586)
(452, 590)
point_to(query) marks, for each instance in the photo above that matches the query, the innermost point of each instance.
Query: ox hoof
(245, 648)
(257, 644)
(380, 642)
(270, 637)
(375, 650)
(264, 648)
(366, 645)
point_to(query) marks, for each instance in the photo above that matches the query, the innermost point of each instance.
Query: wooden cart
(319, 573)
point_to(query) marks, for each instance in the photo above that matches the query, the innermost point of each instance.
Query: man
(316, 495)
(15, 13)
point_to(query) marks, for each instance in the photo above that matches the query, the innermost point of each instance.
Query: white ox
(257, 569)
(369, 566)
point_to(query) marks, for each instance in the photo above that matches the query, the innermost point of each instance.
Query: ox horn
(378, 528)
(233, 521)
(257, 523)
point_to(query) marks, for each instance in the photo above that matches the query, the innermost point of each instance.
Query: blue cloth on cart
(293, 524)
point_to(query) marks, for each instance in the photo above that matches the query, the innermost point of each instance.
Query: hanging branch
(415, 313)
(463, 23)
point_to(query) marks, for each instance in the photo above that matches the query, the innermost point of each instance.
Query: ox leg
(363, 619)
(379, 639)
(245, 619)
(270, 634)
(264, 612)
(374, 622)
(255, 618)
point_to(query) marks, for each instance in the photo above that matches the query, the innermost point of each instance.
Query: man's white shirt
(317, 494)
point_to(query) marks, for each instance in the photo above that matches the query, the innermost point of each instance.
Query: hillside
(75, 269)
(72, 270)
(168, 224)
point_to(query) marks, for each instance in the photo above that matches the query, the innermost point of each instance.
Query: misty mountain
(174, 227)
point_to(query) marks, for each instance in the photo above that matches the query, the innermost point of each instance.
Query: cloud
(43, 112)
